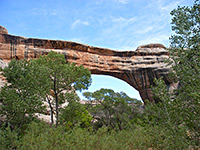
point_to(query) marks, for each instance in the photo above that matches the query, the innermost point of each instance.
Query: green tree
(75, 113)
(114, 110)
(185, 56)
(31, 82)
(8, 138)
(166, 117)
(22, 97)
(179, 111)
(61, 77)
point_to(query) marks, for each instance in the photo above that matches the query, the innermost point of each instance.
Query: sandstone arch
(138, 68)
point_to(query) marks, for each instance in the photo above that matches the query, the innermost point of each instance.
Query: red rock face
(138, 68)
(3, 30)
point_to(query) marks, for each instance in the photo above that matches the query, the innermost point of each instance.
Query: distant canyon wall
(138, 68)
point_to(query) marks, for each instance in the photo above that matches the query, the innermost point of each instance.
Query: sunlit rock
(138, 68)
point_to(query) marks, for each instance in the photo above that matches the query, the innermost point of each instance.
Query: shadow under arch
(137, 67)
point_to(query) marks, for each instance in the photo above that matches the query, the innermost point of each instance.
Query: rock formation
(2, 78)
(138, 68)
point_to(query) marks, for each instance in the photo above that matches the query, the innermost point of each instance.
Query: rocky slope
(138, 68)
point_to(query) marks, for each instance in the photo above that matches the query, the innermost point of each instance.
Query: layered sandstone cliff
(138, 68)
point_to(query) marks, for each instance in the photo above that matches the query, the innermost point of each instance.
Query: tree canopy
(21, 97)
(118, 120)
(181, 108)
(30, 83)
(61, 77)
(112, 109)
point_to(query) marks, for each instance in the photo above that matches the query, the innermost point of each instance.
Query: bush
(8, 138)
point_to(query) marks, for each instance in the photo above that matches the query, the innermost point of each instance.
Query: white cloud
(145, 30)
(124, 20)
(116, 27)
(121, 22)
(171, 6)
(163, 6)
(79, 22)
(123, 1)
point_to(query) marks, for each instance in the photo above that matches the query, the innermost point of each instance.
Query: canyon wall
(138, 68)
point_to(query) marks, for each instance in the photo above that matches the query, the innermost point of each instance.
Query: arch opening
(110, 82)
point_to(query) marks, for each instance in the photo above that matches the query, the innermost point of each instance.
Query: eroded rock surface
(138, 68)
(2, 78)
(3, 30)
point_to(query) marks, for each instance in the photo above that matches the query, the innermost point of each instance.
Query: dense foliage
(75, 113)
(21, 97)
(109, 120)
(111, 109)
(185, 53)
(31, 82)
(60, 77)
(181, 108)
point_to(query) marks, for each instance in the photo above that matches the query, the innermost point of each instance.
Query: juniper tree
(61, 76)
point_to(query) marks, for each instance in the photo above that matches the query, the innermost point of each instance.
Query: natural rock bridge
(138, 68)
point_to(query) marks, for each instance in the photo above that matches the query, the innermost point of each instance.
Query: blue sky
(115, 24)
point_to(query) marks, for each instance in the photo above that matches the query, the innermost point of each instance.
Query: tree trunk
(51, 109)
(51, 116)
(55, 88)
(57, 110)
